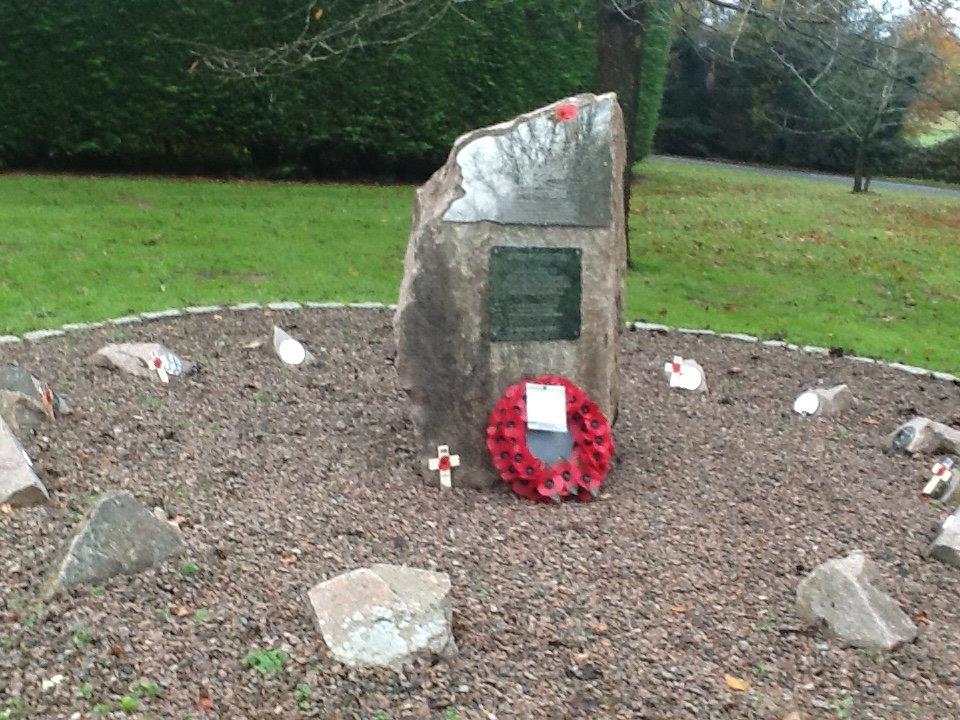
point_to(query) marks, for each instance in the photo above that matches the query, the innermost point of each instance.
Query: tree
(864, 73)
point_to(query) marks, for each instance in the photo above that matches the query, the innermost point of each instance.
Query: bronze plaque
(534, 293)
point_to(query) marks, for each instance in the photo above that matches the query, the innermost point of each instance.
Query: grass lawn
(735, 252)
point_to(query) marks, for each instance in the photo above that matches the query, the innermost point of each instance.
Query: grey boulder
(26, 402)
(832, 401)
(19, 485)
(840, 596)
(137, 359)
(385, 616)
(922, 435)
(946, 546)
(120, 537)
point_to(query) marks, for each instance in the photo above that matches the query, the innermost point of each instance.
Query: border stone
(774, 343)
(742, 337)
(325, 305)
(161, 314)
(9, 339)
(367, 305)
(862, 359)
(653, 327)
(946, 377)
(243, 307)
(81, 327)
(284, 305)
(815, 350)
(912, 369)
(693, 331)
(202, 309)
(125, 320)
(36, 335)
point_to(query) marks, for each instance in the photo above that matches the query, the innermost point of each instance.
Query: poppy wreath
(580, 476)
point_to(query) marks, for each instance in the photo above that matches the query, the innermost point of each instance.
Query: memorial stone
(514, 268)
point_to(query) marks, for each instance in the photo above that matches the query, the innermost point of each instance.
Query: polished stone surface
(543, 171)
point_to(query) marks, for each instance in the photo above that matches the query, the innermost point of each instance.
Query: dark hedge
(104, 85)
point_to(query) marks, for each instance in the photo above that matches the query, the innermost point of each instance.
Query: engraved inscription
(535, 293)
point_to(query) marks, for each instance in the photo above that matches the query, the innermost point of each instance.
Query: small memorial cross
(942, 472)
(161, 370)
(684, 374)
(444, 462)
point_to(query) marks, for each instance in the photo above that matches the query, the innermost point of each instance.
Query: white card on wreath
(546, 407)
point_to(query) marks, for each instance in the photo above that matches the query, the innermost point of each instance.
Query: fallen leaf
(193, 66)
(180, 611)
(217, 316)
(600, 629)
(5, 508)
(203, 704)
(318, 14)
(735, 683)
(921, 617)
(117, 651)
(871, 421)
(679, 609)
(288, 560)
(793, 716)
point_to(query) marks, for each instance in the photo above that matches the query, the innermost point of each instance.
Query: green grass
(797, 259)
(80, 249)
(777, 257)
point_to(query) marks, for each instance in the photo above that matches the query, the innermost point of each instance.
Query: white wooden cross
(942, 472)
(683, 376)
(443, 462)
(161, 370)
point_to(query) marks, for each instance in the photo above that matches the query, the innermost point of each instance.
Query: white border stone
(653, 327)
(81, 327)
(912, 369)
(202, 309)
(324, 305)
(284, 305)
(9, 339)
(161, 314)
(125, 320)
(243, 307)
(35, 335)
(741, 337)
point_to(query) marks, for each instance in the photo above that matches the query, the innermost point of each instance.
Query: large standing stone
(19, 485)
(514, 268)
(25, 402)
(922, 435)
(137, 359)
(121, 537)
(946, 546)
(385, 615)
(840, 595)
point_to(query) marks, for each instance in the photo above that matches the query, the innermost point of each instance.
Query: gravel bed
(635, 606)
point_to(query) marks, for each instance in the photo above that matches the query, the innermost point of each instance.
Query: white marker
(444, 462)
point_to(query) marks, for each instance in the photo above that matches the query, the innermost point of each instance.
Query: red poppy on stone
(157, 363)
(567, 112)
(579, 476)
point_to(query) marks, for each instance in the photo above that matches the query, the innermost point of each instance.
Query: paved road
(805, 175)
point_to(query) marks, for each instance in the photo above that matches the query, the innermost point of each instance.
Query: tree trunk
(859, 164)
(620, 38)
